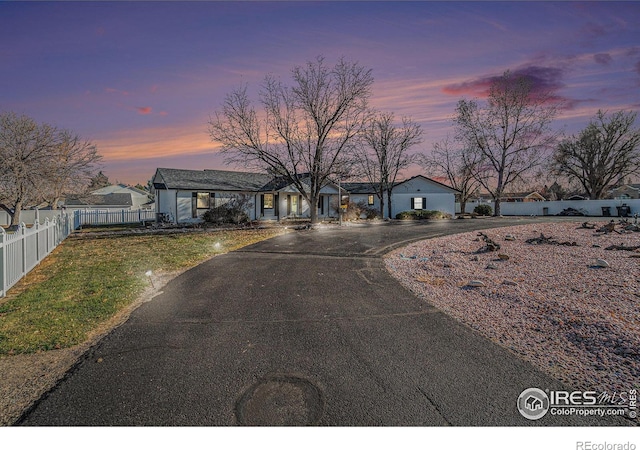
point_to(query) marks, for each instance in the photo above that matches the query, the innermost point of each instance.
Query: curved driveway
(305, 328)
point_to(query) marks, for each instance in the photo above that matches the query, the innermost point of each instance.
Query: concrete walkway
(305, 328)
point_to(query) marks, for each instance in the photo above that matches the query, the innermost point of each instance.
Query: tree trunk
(389, 203)
(15, 217)
(496, 211)
(313, 209)
(463, 206)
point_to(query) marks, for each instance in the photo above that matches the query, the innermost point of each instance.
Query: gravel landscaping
(553, 304)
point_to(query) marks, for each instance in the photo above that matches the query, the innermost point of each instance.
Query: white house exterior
(415, 193)
(183, 196)
(420, 192)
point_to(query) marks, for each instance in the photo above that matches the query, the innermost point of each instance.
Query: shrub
(369, 211)
(423, 214)
(483, 210)
(234, 211)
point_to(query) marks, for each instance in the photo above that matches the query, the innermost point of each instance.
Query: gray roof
(211, 180)
(359, 188)
(100, 200)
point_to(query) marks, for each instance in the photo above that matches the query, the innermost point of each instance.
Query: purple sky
(140, 79)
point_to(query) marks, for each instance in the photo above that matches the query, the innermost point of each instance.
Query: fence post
(3, 263)
(36, 227)
(23, 241)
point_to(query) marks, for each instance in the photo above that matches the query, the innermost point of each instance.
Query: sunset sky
(140, 79)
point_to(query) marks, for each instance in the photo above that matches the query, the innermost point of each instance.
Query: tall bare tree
(305, 132)
(510, 134)
(24, 150)
(385, 152)
(39, 162)
(458, 166)
(607, 150)
(71, 164)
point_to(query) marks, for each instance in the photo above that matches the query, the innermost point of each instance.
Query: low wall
(590, 207)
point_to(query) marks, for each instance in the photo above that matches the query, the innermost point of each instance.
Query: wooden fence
(22, 250)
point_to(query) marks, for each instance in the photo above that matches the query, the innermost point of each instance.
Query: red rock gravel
(548, 304)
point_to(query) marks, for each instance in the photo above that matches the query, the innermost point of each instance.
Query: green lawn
(84, 282)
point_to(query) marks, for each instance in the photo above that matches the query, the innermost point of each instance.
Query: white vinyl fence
(106, 217)
(22, 250)
(588, 207)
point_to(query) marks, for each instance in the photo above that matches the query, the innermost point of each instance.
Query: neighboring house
(183, 196)
(523, 197)
(626, 191)
(139, 198)
(517, 197)
(116, 196)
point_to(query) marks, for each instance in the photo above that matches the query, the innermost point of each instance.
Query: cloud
(602, 58)
(155, 142)
(637, 66)
(144, 110)
(542, 79)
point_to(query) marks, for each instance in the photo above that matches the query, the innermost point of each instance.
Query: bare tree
(385, 152)
(458, 166)
(510, 133)
(24, 150)
(607, 150)
(97, 181)
(306, 132)
(39, 162)
(70, 166)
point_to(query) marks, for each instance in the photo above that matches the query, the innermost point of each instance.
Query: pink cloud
(153, 89)
(545, 81)
(143, 110)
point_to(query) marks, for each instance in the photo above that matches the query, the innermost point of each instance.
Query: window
(202, 201)
(418, 203)
(268, 201)
(370, 200)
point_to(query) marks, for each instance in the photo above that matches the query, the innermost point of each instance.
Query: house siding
(438, 197)
(437, 202)
(166, 202)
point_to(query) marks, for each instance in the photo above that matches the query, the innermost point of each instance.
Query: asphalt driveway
(305, 328)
